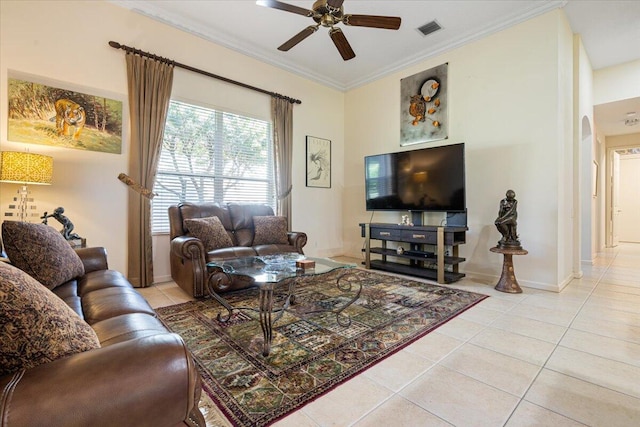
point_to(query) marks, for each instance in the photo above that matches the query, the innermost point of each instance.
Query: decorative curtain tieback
(136, 187)
(285, 194)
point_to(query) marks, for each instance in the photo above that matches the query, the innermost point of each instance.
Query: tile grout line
(592, 354)
(468, 341)
(435, 363)
(558, 345)
(439, 364)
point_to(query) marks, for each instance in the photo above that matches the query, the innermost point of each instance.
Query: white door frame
(609, 217)
(627, 227)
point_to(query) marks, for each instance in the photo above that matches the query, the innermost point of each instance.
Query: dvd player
(420, 254)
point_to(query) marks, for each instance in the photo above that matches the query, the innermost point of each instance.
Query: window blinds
(212, 156)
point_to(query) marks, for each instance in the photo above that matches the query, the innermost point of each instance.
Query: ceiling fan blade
(337, 4)
(342, 44)
(298, 38)
(385, 22)
(285, 6)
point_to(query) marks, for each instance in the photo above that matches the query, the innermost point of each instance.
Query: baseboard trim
(490, 278)
(161, 279)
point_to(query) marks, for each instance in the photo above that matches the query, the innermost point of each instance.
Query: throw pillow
(270, 230)
(35, 325)
(210, 231)
(41, 252)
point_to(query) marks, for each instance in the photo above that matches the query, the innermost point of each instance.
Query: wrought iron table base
(266, 303)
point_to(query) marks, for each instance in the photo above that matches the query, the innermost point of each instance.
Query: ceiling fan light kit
(328, 13)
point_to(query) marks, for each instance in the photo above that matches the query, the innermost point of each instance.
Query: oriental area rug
(310, 353)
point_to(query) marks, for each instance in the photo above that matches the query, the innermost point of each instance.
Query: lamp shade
(420, 177)
(25, 168)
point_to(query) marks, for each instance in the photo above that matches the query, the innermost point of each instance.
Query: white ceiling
(610, 31)
(611, 117)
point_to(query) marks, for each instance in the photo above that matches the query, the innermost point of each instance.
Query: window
(212, 156)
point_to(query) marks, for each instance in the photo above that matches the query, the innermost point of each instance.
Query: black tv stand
(426, 256)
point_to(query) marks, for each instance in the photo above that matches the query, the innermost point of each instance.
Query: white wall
(623, 141)
(601, 222)
(616, 83)
(585, 153)
(510, 98)
(565, 144)
(85, 183)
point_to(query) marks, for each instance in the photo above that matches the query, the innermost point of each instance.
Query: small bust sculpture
(507, 223)
(67, 225)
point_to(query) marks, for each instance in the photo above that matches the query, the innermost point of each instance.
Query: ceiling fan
(328, 13)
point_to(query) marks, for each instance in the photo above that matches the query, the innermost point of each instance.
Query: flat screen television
(428, 179)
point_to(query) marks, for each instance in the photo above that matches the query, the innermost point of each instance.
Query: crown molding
(151, 10)
(495, 27)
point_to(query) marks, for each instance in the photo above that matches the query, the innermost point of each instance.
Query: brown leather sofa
(189, 258)
(142, 375)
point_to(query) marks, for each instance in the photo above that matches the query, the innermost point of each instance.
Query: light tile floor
(531, 359)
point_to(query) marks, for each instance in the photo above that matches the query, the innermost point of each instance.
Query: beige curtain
(282, 115)
(150, 84)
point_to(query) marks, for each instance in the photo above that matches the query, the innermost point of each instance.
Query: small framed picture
(318, 162)
(594, 179)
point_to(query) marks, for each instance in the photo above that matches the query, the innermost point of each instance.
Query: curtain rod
(117, 45)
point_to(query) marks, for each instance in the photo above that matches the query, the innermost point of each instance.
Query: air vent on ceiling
(429, 27)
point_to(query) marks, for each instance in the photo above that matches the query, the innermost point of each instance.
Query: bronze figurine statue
(507, 223)
(67, 225)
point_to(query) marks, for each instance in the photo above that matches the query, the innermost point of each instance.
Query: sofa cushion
(127, 327)
(205, 210)
(36, 326)
(270, 230)
(41, 252)
(242, 220)
(210, 231)
(111, 302)
(101, 279)
(230, 253)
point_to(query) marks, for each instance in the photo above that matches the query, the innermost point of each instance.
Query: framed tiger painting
(40, 113)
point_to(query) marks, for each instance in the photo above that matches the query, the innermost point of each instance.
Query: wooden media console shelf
(426, 256)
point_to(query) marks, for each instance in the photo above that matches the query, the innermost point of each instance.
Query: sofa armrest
(151, 381)
(94, 259)
(188, 247)
(297, 239)
(188, 260)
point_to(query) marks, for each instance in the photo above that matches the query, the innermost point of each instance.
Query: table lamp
(25, 168)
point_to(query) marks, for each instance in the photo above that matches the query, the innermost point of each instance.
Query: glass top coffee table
(270, 272)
